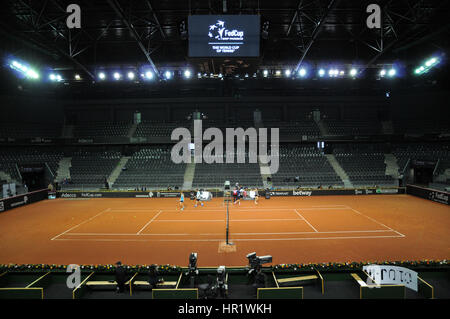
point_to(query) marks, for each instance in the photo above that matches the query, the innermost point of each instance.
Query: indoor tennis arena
(224, 150)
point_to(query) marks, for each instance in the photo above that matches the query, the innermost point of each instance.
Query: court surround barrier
(428, 193)
(215, 193)
(22, 200)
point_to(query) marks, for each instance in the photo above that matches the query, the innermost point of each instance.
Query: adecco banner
(427, 193)
(24, 199)
(392, 275)
(149, 194)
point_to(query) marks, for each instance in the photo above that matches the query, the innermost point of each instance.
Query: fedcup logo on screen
(236, 140)
(224, 40)
(219, 32)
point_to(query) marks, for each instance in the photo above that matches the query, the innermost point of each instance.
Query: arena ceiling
(136, 32)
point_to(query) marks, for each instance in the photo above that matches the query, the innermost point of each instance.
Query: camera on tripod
(192, 269)
(255, 261)
(220, 288)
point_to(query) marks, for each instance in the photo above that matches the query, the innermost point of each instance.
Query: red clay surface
(291, 229)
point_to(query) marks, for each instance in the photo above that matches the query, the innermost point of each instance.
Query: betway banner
(21, 200)
(430, 194)
(392, 275)
(318, 192)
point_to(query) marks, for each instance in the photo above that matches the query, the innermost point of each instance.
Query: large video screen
(224, 35)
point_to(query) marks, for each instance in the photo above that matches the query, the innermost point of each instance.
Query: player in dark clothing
(153, 277)
(121, 277)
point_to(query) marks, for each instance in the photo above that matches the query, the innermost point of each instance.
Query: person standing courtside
(121, 277)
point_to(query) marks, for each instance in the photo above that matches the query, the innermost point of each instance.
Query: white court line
(190, 220)
(104, 211)
(149, 222)
(375, 221)
(202, 210)
(210, 234)
(231, 220)
(280, 239)
(238, 239)
(328, 206)
(323, 208)
(300, 215)
(208, 210)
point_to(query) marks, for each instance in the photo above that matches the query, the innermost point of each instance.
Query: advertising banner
(430, 194)
(392, 275)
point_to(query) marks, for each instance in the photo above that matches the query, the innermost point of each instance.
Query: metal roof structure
(149, 32)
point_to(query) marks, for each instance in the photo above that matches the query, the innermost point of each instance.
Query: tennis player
(235, 195)
(256, 196)
(181, 202)
(198, 198)
(240, 193)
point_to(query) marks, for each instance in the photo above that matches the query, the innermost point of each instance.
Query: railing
(436, 167)
(18, 173)
(50, 171)
(406, 166)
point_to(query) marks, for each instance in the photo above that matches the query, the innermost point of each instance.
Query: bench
(101, 283)
(295, 281)
(164, 284)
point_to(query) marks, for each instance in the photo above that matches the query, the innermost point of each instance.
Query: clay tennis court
(291, 229)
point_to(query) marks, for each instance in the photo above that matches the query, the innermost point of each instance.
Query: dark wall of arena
(420, 106)
(53, 110)
(272, 108)
(19, 109)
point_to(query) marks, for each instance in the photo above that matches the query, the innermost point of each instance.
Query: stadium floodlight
(26, 71)
(149, 75)
(287, 73)
(117, 75)
(187, 74)
(392, 72)
(55, 77)
(382, 72)
(130, 75)
(333, 72)
(167, 74)
(33, 74)
(302, 72)
(321, 72)
(431, 61)
(102, 76)
(265, 73)
(353, 72)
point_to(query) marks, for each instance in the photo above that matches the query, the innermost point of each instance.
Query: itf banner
(389, 275)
